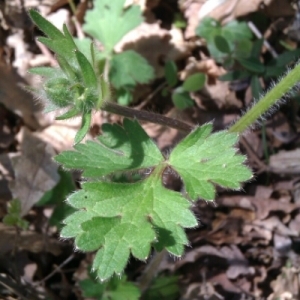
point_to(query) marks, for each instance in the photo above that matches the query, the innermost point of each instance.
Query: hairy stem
(284, 86)
(143, 115)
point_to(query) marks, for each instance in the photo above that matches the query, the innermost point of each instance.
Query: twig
(55, 270)
(143, 115)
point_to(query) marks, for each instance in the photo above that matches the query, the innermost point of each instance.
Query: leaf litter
(247, 244)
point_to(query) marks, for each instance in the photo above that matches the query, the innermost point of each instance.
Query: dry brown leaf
(17, 99)
(261, 206)
(155, 44)
(206, 66)
(201, 291)
(35, 171)
(285, 162)
(60, 135)
(279, 130)
(217, 96)
(190, 9)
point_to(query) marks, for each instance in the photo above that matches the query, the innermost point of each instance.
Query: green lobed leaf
(118, 149)
(129, 68)
(124, 220)
(203, 159)
(121, 219)
(108, 21)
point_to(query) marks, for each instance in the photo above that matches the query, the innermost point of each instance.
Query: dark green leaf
(171, 73)
(256, 48)
(243, 48)
(252, 64)
(222, 44)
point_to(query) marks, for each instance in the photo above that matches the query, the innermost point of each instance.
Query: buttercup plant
(119, 219)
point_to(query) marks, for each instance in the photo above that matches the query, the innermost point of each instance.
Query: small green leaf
(208, 28)
(194, 82)
(66, 68)
(13, 217)
(171, 73)
(108, 22)
(182, 99)
(129, 68)
(114, 289)
(236, 30)
(85, 126)
(48, 28)
(252, 64)
(243, 48)
(222, 44)
(200, 162)
(58, 42)
(87, 71)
